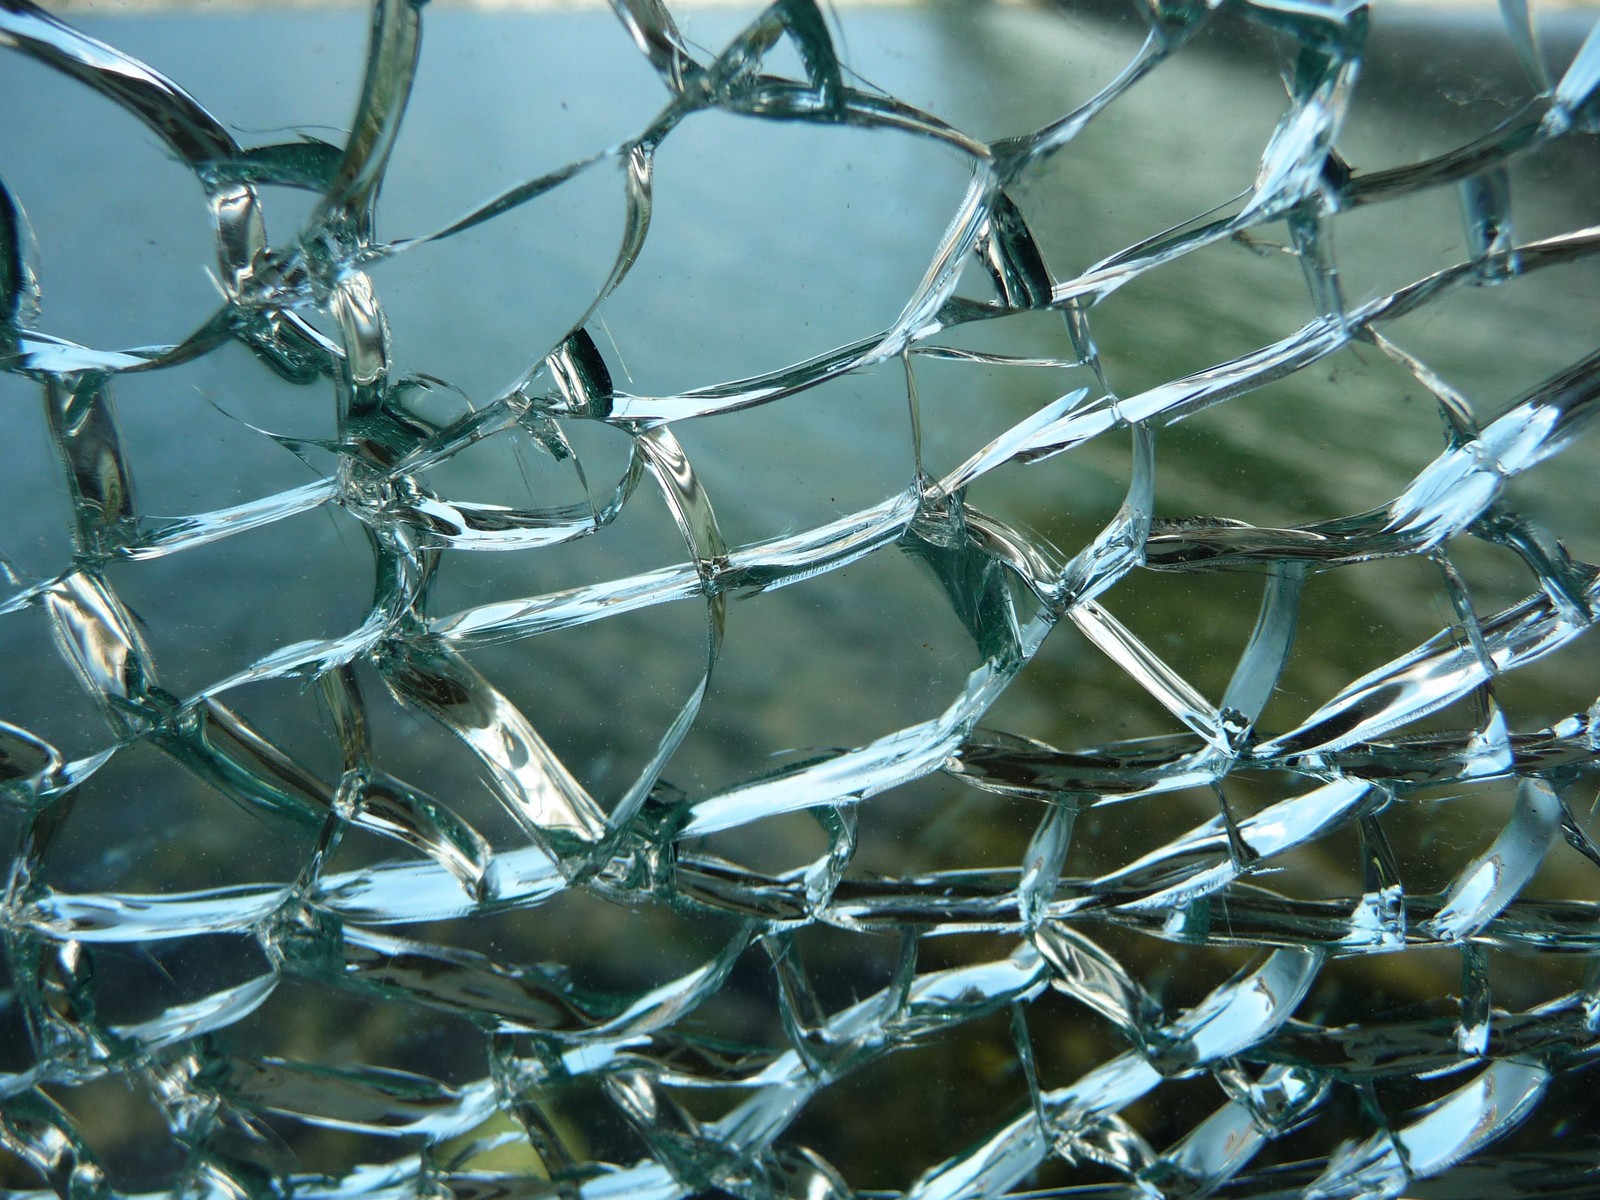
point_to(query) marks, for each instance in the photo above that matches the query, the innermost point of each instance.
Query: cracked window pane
(971, 600)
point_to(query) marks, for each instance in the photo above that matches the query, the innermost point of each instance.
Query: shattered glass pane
(941, 602)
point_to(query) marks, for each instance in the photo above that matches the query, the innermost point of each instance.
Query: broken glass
(940, 602)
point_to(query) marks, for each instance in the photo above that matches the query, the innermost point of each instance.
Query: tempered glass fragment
(954, 602)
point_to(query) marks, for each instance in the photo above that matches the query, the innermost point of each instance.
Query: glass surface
(955, 601)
